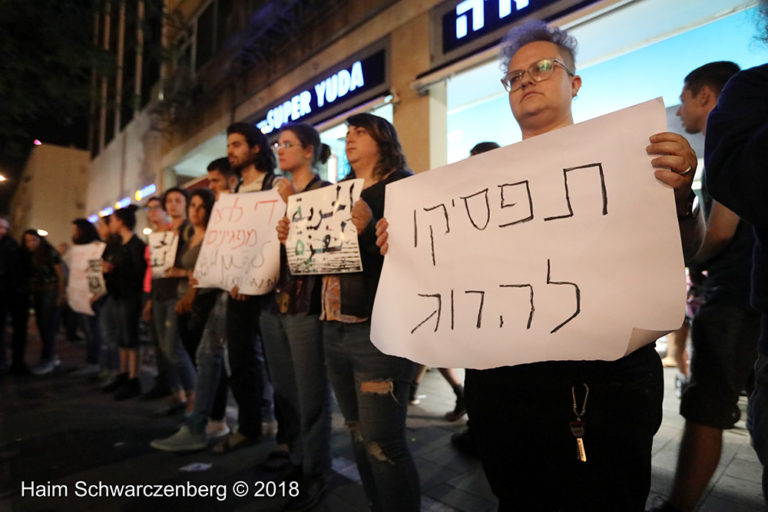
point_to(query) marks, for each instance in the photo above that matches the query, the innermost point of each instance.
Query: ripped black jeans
(372, 391)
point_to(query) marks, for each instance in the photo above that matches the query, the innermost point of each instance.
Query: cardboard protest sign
(86, 279)
(322, 238)
(240, 247)
(163, 246)
(561, 247)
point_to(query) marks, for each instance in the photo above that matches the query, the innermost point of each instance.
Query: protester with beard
(252, 159)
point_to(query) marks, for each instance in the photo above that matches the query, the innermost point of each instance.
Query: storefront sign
(471, 24)
(327, 91)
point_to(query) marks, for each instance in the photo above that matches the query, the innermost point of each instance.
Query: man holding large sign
(252, 159)
(573, 429)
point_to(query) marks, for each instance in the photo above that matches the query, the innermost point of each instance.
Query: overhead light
(145, 192)
(42, 232)
(93, 219)
(37, 142)
(106, 211)
(123, 203)
(2, 178)
(147, 231)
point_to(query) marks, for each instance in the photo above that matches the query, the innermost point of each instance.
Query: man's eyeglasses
(539, 71)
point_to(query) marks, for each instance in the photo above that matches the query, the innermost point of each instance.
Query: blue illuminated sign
(327, 92)
(472, 19)
(145, 192)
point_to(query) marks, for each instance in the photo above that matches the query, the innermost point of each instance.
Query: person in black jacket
(47, 293)
(371, 387)
(14, 300)
(736, 158)
(126, 274)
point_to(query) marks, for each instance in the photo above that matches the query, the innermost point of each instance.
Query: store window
(478, 108)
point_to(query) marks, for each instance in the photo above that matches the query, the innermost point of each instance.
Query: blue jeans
(47, 315)
(181, 372)
(372, 391)
(91, 326)
(211, 353)
(294, 348)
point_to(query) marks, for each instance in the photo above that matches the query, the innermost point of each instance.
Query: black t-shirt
(127, 278)
(42, 268)
(14, 264)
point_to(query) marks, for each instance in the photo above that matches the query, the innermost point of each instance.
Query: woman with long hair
(207, 307)
(83, 233)
(292, 333)
(48, 293)
(371, 387)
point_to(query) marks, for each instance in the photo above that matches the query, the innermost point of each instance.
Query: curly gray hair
(536, 30)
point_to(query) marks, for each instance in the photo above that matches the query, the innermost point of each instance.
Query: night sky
(46, 60)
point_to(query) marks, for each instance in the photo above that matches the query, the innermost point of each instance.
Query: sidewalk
(59, 430)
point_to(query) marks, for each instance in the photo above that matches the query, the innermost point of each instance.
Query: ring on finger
(682, 173)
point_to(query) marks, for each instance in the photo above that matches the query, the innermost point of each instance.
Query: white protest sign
(85, 276)
(322, 238)
(240, 247)
(561, 247)
(162, 252)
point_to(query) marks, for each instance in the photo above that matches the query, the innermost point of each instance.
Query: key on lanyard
(577, 427)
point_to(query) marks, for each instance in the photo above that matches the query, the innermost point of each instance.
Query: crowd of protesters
(285, 354)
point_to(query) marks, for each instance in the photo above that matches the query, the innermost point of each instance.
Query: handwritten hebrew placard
(322, 239)
(561, 247)
(86, 279)
(163, 246)
(240, 247)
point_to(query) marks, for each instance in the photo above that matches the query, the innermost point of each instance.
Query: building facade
(429, 66)
(51, 192)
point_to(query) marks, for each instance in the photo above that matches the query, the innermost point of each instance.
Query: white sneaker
(216, 429)
(43, 368)
(182, 441)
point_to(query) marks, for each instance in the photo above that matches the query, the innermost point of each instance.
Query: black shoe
(311, 489)
(157, 391)
(277, 460)
(464, 442)
(115, 382)
(459, 409)
(129, 389)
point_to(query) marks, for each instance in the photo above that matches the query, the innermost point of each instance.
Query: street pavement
(61, 435)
